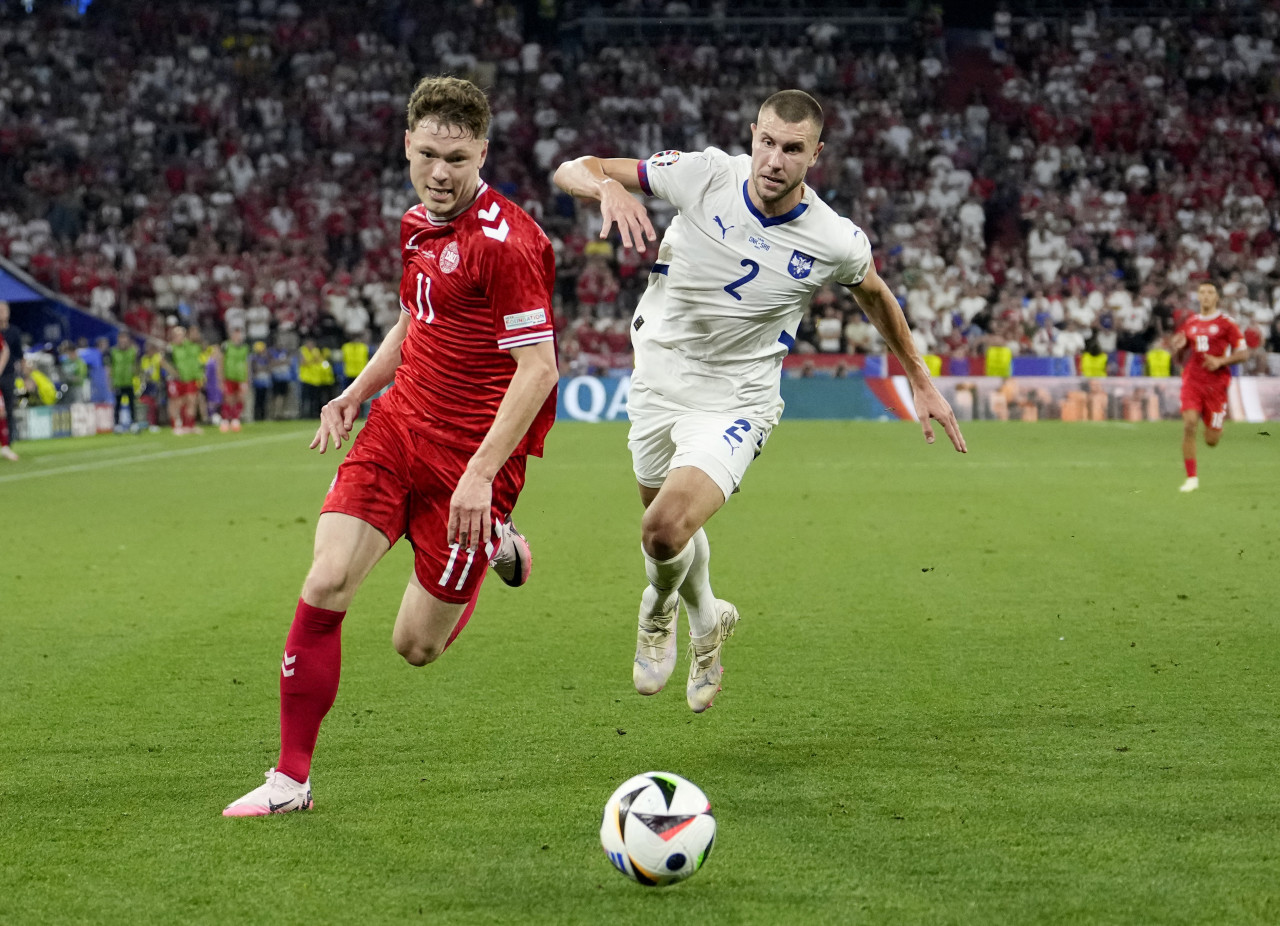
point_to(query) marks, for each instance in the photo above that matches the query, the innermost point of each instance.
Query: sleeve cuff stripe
(524, 340)
(642, 172)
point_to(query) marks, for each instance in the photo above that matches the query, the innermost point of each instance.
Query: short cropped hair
(450, 101)
(794, 106)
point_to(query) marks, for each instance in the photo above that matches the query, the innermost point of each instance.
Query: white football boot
(655, 648)
(705, 670)
(513, 562)
(281, 794)
(1192, 483)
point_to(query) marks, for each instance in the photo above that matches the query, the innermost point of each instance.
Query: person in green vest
(311, 374)
(355, 357)
(123, 361)
(1093, 362)
(234, 372)
(183, 367)
(999, 360)
(74, 372)
(1159, 360)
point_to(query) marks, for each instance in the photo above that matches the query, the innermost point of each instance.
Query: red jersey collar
(440, 223)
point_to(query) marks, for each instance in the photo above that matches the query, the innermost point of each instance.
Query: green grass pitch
(1034, 684)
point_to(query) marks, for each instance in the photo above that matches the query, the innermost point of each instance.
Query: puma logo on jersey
(724, 229)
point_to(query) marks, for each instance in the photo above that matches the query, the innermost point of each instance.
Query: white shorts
(720, 444)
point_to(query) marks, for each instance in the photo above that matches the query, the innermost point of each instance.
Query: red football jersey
(1214, 334)
(474, 288)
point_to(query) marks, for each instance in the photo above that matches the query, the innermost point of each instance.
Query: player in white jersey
(735, 272)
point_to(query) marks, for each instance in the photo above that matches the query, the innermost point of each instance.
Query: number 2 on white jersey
(425, 295)
(732, 288)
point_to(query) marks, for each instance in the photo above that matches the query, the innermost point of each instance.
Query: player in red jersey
(1215, 344)
(441, 458)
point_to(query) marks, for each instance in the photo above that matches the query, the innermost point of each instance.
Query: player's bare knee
(664, 537)
(328, 581)
(417, 653)
(1211, 437)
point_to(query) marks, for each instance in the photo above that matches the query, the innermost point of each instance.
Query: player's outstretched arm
(536, 374)
(339, 415)
(610, 181)
(878, 302)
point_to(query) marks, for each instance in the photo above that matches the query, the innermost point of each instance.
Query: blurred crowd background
(1050, 185)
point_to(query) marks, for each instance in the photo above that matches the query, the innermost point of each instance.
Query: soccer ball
(657, 828)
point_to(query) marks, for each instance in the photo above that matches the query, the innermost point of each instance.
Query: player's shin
(695, 590)
(665, 577)
(308, 684)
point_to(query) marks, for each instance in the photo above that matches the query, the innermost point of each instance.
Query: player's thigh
(652, 447)
(720, 445)
(346, 549)
(375, 480)
(447, 570)
(687, 500)
(424, 623)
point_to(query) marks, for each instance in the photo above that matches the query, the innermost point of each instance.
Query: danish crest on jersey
(449, 258)
(800, 265)
(664, 158)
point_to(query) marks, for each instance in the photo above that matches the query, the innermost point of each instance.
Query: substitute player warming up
(1215, 344)
(735, 273)
(441, 458)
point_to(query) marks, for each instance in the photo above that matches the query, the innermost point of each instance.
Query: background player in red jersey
(1215, 343)
(441, 458)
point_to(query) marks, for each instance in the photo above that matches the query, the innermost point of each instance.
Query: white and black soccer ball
(657, 828)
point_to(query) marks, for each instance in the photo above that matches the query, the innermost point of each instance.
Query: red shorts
(1209, 399)
(177, 390)
(401, 482)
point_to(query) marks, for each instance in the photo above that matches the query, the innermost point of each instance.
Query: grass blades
(1033, 684)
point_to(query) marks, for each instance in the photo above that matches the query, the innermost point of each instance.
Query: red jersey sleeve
(517, 274)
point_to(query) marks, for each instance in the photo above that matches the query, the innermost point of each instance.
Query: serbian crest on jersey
(664, 158)
(800, 265)
(449, 257)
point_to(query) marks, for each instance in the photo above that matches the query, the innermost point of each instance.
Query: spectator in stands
(830, 329)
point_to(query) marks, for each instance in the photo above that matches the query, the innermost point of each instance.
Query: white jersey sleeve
(681, 177)
(853, 269)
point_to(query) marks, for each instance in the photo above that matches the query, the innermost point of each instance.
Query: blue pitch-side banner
(604, 398)
(1024, 398)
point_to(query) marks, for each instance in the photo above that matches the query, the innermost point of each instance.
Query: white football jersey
(730, 286)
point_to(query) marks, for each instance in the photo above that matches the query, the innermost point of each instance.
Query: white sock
(665, 577)
(695, 590)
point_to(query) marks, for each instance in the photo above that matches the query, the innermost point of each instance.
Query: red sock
(4, 432)
(466, 612)
(1191, 467)
(308, 684)
(188, 419)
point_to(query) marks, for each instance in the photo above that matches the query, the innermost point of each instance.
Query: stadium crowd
(238, 164)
